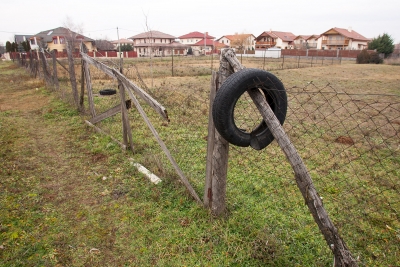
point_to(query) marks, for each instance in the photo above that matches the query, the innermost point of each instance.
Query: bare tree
(241, 42)
(104, 44)
(149, 35)
(72, 32)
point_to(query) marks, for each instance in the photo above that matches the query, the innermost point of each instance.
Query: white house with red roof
(346, 39)
(276, 39)
(194, 37)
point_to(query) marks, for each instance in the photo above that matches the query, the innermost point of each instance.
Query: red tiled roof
(196, 35)
(284, 36)
(351, 34)
(234, 36)
(209, 42)
(304, 37)
(152, 34)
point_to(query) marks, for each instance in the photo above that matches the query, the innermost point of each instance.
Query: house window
(62, 40)
(32, 41)
(55, 41)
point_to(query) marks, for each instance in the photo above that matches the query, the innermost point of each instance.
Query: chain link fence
(350, 144)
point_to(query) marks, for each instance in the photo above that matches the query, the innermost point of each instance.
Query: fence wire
(349, 142)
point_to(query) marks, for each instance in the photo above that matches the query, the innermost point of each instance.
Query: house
(153, 43)
(194, 37)
(207, 46)
(306, 41)
(243, 41)
(277, 39)
(55, 39)
(122, 42)
(346, 39)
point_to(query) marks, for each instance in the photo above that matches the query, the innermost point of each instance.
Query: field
(70, 197)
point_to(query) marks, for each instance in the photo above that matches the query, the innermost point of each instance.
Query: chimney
(350, 29)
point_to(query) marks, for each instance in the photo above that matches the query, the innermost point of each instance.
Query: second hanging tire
(227, 98)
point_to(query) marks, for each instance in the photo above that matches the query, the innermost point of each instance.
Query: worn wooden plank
(103, 132)
(145, 96)
(88, 80)
(182, 177)
(129, 85)
(126, 127)
(72, 76)
(98, 65)
(111, 112)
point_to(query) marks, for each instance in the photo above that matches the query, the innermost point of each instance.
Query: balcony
(265, 44)
(344, 42)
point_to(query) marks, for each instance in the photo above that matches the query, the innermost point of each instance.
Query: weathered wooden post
(217, 169)
(86, 76)
(44, 66)
(72, 76)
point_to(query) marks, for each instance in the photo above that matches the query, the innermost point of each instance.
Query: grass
(70, 197)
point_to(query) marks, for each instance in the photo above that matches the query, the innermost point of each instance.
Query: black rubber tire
(228, 95)
(108, 92)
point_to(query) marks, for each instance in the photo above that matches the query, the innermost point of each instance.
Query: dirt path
(47, 174)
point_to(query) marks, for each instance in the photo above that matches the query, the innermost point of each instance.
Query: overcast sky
(100, 19)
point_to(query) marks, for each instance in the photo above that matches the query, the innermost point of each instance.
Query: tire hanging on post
(227, 100)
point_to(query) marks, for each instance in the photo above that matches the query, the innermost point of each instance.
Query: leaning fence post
(342, 255)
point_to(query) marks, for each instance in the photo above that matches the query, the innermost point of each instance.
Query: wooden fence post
(88, 80)
(219, 163)
(72, 76)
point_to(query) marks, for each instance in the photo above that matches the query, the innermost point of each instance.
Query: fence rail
(349, 143)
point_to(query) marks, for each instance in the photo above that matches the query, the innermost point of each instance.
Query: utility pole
(119, 48)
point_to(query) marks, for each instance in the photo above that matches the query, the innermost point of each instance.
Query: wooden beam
(115, 74)
(110, 112)
(183, 178)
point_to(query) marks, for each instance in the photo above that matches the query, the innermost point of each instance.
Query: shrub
(366, 57)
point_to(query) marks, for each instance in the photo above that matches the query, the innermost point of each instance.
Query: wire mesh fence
(349, 142)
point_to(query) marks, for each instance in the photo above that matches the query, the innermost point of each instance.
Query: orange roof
(284, 36)
(196, 35)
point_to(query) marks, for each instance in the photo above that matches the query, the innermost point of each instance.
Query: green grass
(70, 196)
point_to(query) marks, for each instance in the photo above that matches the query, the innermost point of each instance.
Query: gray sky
(100, 19)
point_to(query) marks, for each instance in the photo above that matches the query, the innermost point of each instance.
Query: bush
(366, 57)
